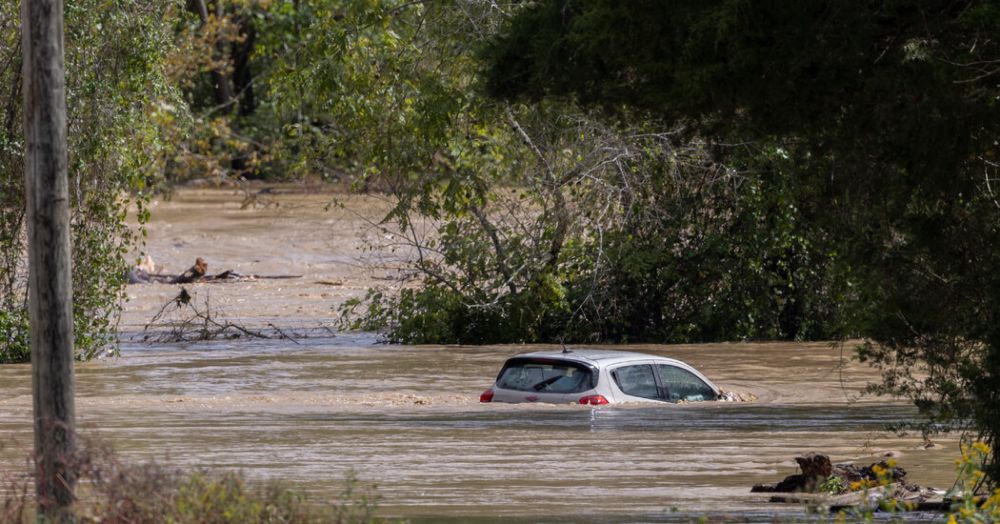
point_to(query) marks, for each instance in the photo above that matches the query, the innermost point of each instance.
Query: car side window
(682, 385)
(637, 381)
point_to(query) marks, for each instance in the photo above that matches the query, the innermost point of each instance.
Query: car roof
(603, 357)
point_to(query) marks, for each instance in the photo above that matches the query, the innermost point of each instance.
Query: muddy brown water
(408, 418)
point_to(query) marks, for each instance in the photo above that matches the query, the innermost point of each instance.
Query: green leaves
(114, 53)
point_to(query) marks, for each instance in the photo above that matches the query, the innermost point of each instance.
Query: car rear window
(546, 376)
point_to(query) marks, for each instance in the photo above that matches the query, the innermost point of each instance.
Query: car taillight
(487, 396)
(594, 400)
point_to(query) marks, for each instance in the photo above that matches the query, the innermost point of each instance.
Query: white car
(596, 377)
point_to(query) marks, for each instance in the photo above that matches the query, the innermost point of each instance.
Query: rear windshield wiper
(541, 385)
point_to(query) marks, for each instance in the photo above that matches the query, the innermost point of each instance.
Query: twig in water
(180, 320)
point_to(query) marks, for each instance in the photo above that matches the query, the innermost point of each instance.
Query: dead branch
(181, 320)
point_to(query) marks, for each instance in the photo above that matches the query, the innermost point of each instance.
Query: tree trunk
(242, 75)
(49, 282)
(242, 50)
(220, 83)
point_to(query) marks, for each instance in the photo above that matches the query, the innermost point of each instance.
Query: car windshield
(545, 376)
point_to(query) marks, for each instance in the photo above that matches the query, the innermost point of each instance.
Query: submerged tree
(887, 113)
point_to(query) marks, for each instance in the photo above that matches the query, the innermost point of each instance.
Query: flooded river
(408, 418)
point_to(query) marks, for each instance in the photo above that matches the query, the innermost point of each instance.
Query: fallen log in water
(144, 274)
(847, 486)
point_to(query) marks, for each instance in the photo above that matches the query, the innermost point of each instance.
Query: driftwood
(898, 496)
(880, 483)
(182, 319)
(144, 274)
(817, 468)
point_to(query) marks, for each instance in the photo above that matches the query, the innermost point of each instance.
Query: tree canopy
(888, 114)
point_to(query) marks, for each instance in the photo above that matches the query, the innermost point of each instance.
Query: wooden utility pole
(49, 282)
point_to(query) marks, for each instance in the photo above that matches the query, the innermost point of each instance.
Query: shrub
(114, 84)
(110, 491)
(968, 508)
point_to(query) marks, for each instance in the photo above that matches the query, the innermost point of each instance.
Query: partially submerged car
(597, 377)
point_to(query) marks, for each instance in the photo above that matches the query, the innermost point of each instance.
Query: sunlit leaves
(115, 85)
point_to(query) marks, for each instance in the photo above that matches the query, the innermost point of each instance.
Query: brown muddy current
(408, 418)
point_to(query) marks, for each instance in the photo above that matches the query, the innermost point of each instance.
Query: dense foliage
(540, 222)
(888, 114)
(114, 51)
(527, 222)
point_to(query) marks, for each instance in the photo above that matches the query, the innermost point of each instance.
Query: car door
(635, 381)
(681, 385)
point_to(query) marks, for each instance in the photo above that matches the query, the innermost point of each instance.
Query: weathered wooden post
(49, 282)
